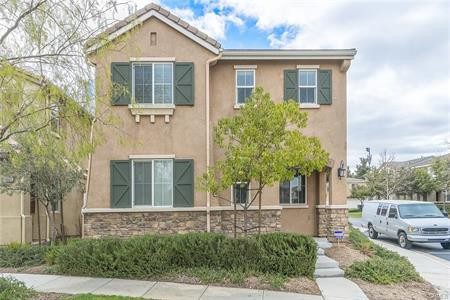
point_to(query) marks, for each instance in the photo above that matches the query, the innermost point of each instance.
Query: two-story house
(176, 83)
(23, 218)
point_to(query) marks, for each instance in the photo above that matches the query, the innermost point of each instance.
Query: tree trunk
(245, 219)
(235, 220)
(259, 210)
(37, 208)
(63, 231)
(425, 197)
(54, 232)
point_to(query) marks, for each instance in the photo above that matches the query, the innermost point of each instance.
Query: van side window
(379, 209)
(392, 211)
(384, 209)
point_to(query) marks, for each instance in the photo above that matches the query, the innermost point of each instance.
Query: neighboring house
(18, 211)
(352, 183)
(181, 82)
(422, 163)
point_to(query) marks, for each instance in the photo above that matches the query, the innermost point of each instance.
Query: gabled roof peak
(142, 15)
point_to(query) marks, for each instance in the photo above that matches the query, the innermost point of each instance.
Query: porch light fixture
(341, 170)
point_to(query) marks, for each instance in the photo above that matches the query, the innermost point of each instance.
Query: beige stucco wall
(15, 219)
(328, 122)
(185, 136)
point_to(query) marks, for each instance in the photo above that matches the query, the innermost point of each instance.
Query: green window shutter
(291, 85)
(184, 83)
(183, 183)
(120, 183)
(121, 79)
(324, 87)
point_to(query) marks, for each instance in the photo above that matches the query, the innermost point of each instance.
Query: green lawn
(355, 214)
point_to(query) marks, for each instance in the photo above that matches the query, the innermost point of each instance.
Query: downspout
(208, 154)
(88, 179)
(22, 220)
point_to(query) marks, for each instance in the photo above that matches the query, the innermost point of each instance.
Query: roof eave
(328, 54)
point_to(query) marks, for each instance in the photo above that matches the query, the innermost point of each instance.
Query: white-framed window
(307, 86)
(152, 82)
(293, 191)
(245, 84)
(240, 192)
(152, 182)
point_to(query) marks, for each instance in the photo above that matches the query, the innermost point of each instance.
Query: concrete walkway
(147, 289)
(330, 278)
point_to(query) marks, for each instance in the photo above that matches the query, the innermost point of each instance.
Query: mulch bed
(345, 256)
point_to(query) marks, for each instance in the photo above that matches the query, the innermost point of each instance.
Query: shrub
(385, 267)
(17, 255)
(383, 271)
(152, 255)
(11, 288)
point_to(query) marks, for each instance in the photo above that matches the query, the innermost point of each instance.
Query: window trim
(152, 160)
(307, 104)
(152, 63)
(290, 204)
(236, 87)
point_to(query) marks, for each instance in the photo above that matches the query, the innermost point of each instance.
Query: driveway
(434, 249)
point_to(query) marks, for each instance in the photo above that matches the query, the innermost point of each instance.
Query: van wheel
(445, 245)
(403, 241)
(373, 234)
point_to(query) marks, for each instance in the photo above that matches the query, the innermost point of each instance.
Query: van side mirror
(445, 214)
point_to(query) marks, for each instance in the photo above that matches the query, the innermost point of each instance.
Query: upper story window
(153, 83)
(294, 191)
(307, 85)
(245, 84)
(152, 182)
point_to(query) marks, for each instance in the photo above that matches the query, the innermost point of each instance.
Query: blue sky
(399, 83)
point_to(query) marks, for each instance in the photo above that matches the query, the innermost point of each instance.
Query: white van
(407, 221)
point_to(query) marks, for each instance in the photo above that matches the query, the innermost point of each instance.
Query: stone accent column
(332, 218)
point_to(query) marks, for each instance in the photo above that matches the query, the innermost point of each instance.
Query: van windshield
(412, 211)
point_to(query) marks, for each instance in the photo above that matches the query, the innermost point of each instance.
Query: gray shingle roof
(162, 11)
(417, 162)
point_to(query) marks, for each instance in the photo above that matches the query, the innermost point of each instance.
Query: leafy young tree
(262, 145)
(46, 37)
(424, 182)
(384, 180)
(362, 168)
(441, 172)
(41, 165)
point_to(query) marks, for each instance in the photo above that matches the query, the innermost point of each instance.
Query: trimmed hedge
(150, 255)
(17, 255)
(384, 266)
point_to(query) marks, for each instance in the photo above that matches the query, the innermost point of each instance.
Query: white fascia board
(337, 54)
(146, 16)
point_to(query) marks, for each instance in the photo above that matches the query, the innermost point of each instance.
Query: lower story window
(294, 191)
(153, 182)
(240, 192)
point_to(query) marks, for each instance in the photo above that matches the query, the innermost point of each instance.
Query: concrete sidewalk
(147, 289)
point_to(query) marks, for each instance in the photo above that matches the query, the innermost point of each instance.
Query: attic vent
(152, 38)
